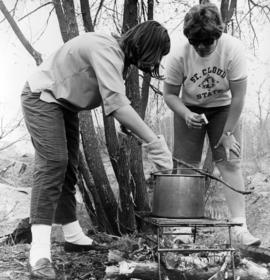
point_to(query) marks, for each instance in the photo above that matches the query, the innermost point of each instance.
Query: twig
(220, 274)
(128, 132)
(38, 8)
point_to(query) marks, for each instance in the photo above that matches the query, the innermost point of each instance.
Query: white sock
(240, 220)
(41, 243)
(73, 233)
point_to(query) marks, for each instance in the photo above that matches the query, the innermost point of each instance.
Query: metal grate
(161, 224)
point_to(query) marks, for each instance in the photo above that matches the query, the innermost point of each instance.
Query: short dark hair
(203, 21)
(146, 43)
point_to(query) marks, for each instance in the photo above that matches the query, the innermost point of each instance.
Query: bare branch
(46, 25)
(98, 11)
(11, 144)
(115, 17)
(11, 11)
(6, 133)
(263, 7)
(35, 54)
(143, 10)
(38, 8)
(255, 38)
(14, 8)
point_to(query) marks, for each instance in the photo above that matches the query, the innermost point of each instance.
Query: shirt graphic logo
(208, 83)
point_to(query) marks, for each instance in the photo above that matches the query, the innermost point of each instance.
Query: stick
(140, 141)
(210, 176)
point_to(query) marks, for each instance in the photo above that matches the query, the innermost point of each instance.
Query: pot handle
(172, 169)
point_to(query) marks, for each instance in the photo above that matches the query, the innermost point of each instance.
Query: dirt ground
(91, 265)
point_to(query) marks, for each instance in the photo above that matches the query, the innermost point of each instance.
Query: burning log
(131, 269)
(147, 270)
(256, 253)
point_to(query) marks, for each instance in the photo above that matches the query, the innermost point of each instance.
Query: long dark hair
(203, 21)
(144, 45)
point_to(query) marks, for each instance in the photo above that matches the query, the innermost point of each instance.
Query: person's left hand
(230, 144)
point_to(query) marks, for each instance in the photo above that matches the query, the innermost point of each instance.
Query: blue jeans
(54, 133)
(188, 142)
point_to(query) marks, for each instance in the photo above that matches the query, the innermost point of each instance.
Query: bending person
(84, 73)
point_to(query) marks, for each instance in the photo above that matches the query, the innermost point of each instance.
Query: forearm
(176, 105)
(128, 117)
(235, 111)
(238, 90)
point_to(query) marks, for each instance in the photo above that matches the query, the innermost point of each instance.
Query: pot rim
(178, 175)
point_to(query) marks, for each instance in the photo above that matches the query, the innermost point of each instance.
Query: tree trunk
(87, 201)
(120, 160)
(227, 9)
(96, 167)
(127, 215)
(133, 92)
(141, 195)
(71, 22)
(86, 16)
(100, 216)
(61, 20)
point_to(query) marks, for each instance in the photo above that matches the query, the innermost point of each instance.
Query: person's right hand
(193, 120)
(159, 154)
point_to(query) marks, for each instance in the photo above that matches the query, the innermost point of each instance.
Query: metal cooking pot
(179, 195)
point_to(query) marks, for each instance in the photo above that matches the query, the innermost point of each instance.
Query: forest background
(41, 26)
(112, 167)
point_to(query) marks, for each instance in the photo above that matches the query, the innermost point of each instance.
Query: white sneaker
(243, 237)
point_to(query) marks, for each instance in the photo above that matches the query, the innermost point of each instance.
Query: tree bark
(101, 218)
(127, 215)
(227, 9)
(86, 16)
(133, 92)
(87, 201)
(71, 22)
(136, 165)
(96, 167)
(61, 20)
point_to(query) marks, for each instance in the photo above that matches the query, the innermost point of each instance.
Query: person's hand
(159, 154)
(193, 120)
(230, 144)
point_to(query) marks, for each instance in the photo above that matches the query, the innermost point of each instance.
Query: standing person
(84, 73)
(210, 68)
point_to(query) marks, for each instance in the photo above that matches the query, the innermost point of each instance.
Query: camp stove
(161, 224)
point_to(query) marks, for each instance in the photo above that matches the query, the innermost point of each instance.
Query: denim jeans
(54, 133)
(188, 142)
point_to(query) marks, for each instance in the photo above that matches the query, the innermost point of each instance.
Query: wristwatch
(228, 133)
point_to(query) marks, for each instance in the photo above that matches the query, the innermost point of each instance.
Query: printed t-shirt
(205, 80)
